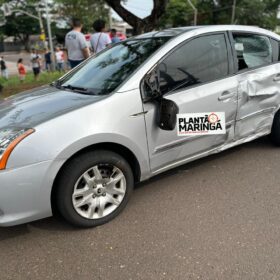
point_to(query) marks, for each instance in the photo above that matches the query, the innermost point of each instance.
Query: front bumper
(25, 193)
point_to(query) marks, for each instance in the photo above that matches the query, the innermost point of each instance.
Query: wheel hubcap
(99, 191)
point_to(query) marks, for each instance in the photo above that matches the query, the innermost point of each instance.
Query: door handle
(226, 95)
(276, 78)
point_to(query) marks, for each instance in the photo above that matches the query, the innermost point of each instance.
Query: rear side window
(252, 50)
(200, 60)
(275, 49)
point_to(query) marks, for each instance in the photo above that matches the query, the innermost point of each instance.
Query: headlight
(9, 138)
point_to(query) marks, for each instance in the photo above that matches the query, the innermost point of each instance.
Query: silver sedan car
(137, 109)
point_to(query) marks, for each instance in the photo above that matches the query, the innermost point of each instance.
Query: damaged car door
(258, 73)
(198, 77)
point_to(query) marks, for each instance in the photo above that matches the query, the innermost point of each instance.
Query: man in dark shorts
(48, 60)
(35, 58)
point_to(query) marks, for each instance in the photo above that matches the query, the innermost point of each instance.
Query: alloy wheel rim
(99, 191)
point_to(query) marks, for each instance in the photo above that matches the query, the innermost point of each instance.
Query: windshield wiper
(77, 89)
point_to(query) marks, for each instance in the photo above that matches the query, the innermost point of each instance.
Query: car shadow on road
(58, 224)
(48, 224)
(11, 232)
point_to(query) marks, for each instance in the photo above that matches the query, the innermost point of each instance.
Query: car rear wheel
(275, 130)
(94, 188)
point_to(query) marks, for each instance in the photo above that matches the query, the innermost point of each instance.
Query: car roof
(173, 32)
(170, 32)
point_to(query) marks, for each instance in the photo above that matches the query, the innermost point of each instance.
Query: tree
(86, 10)
(20, 25)
(178, 13)
(140, 25)
(248, 12)
(260, 13)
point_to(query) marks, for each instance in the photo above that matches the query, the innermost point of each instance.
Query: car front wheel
(94, 188)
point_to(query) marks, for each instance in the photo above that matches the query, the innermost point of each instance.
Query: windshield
(109, 69)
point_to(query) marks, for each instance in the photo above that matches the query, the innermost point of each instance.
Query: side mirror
(152, 85)
(167, 114)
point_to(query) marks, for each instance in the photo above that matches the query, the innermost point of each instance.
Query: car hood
(31, 108)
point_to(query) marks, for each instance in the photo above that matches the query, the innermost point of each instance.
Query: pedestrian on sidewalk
(99, 40)
(48, 60)
(76, 45)
(114, 37)
(59, 56)
(4, 69)
(36, 58)
(21, 70)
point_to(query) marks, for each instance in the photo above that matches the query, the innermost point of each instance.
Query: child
(59, 55)
(21, 70)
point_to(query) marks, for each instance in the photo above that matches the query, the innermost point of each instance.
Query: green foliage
(19, 25)
(261, 13)
(86, 10)
(178, 13)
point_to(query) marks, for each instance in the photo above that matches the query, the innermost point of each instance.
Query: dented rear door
(259, 85)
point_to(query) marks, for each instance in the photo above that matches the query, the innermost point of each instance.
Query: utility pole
(43, 33)
(233, 12)
(195, 12)
(50, 34)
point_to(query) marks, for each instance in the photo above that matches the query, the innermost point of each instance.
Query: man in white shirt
(76, 44)
(99, 40)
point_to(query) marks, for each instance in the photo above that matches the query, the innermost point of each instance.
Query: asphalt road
(216, 218)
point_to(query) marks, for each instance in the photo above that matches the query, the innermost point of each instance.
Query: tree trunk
(25, 41)
(139, 25)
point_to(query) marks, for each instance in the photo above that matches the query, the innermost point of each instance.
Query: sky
(140, 8)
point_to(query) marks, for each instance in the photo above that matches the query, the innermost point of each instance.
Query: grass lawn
(13, 85)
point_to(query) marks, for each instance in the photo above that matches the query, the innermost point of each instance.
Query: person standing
(59, 56)
(99, 40)
(48, 60)
(4, 69)
(114, 37)
(76, 44)
(35, 58)
(21, 70)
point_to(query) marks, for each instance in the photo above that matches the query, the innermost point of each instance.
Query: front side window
(252, 50)
(203, 59)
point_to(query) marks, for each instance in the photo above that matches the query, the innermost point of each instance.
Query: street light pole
(43, 33)
(233, 12)
(195, 12)
(49, 33)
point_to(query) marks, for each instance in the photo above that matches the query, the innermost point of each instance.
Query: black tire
(71, 174)
(275, 130)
